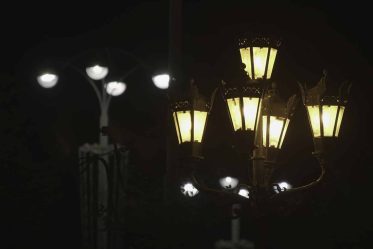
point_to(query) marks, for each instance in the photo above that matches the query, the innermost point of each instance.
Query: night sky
(42, 128)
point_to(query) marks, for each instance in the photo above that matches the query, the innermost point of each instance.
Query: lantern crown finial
(259, 41)
(316, 95)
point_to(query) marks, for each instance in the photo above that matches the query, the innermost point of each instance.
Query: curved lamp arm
(321, 161)
(93, 85)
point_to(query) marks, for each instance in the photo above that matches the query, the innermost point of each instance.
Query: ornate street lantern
(276, 116)
(325, 113)
(243, 106)
(190, 117)
(243, 103)
(259, 55)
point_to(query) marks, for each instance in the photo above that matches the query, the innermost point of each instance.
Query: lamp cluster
(259, 115)
(99, 72)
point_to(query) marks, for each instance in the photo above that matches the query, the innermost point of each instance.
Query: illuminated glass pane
(246, 59)
(199, 125)
(340, 116)
(329, 116)
(250, 109)
(177, 128)
(314, 116)
(284, 132)
(235, 112)
(185, 125)
(275, 128)
(271, 62)
(260, 60)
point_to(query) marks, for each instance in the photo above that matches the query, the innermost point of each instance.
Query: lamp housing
(325, 112)
(276, 115)
(190, 118)
(258, 55)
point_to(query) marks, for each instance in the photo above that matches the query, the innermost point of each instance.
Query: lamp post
(260, 120)
(105, 90)
(97, 183)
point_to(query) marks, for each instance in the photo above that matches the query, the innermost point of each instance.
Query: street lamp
(190, 117)
(47, 80)
(325, 113)
(162, 81)
(276, 116)
(261, 118)
(97, 72)
(115, 88)
(107, 87)
(258, 55)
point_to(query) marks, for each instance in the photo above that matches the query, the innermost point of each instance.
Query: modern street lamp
(107, 88)
(96, 182)
(161, 81)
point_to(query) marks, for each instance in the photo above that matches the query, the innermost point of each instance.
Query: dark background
(42, 128)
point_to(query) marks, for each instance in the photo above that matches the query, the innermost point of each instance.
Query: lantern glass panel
(246, 59)
(260, 61)
(276, 124)
(235, 112)
(185, 125)
(329, 116)
(250, 109)
(199, 125)
(271, 62)
(314, 117)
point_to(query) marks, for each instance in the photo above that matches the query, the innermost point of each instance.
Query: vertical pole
(174, 65)
(174, 53)
(104, 122)
(103, 184)
(235, 224)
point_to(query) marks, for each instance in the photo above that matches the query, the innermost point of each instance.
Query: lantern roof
(316, 95)
(193, 100)
(259, 41)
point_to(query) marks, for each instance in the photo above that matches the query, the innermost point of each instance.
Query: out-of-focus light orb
(228, 182)
(97, 72)
(116, 88)
(188, 189)
(162, 81)
(47, 80)
(283, 186)
(244, 193)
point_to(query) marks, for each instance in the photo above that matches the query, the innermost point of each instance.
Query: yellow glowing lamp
(190, 125)
(331, 119)
(243, 103)
(325, 113)
(276, 116)
(190, 118)
(258, 55)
